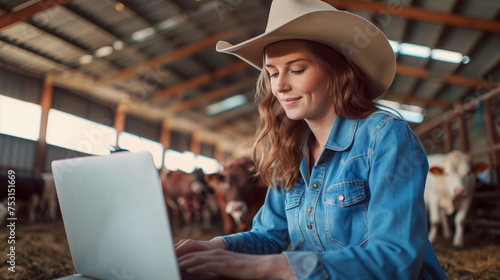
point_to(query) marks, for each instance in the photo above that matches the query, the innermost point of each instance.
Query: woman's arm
(235, 265)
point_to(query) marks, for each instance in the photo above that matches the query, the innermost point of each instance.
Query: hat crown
(283, 11)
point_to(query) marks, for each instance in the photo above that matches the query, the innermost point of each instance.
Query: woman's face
(298, 81)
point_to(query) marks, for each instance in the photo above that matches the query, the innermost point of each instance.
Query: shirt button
(341, 197)
(309, 226)
(315, 185)
(309, 210)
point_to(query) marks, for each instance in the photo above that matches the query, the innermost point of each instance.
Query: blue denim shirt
(360, 214)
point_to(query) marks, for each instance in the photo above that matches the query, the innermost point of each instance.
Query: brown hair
(277, 150)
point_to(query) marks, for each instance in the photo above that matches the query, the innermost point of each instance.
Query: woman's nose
(282, 84)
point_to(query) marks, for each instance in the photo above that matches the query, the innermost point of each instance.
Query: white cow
(449, 188)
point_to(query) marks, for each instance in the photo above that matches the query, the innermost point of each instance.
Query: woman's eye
(298, 71)
(273, 75)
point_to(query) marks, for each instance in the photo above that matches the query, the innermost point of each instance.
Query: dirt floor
(42, 252)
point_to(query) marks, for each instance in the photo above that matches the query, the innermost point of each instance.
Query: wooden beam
(455, 79)
(171, 56)
(28, 12)
(230, 116)
(46, 104)
(200, 80)
(421, 14)
(212, 95)
(423, 129)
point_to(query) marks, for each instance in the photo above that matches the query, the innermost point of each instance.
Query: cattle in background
(449, 189)
(239, 194)
(37, 194)
(188, 196)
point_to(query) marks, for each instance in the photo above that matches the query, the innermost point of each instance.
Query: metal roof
(161, 52)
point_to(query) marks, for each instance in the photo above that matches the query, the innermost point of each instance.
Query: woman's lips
(290, 101)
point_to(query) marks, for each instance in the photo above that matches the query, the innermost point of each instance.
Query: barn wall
(72, 103)
(180, 141)
(142, 127)
(17, 153)
(55, 153)
(207, 149)
(21, 87)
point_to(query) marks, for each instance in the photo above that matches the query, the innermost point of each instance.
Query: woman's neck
(321, 129)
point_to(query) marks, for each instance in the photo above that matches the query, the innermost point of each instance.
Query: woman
(347, 179)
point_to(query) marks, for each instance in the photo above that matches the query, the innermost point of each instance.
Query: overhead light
(447, 56)
(143, 34)
(410, 113)
(118, 45)
(119, 6)
(86, 59)
(466, 59)
(425, 52)
(394, 45)
(226, 104)
(172, 22)
(103, 51)
(414, 50)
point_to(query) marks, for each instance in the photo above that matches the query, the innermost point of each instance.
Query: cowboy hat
(356, 38)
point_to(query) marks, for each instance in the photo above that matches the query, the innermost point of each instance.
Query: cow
(449, 189)
(35, 193)
(188, 196)
(239, 194)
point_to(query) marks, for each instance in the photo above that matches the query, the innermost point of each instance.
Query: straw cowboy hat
(355, 37)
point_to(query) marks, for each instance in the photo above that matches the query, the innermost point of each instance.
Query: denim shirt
(360, 214)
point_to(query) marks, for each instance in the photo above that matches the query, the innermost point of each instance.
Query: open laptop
(115, 217)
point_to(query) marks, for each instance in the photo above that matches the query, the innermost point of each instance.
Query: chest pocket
(292, 203)
(345, 212)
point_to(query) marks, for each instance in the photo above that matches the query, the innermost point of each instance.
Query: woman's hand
(186, 246)
(235, 265)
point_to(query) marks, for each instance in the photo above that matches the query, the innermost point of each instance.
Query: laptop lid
(115, 217)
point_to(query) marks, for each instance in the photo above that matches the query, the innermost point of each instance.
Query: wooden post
(120, 115)
(165, 139)
(448, 144)
(196, 143)
(45, 103)
(462, 132)
(218, 153)
(492, 139)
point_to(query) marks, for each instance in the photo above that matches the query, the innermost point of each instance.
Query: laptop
(115, 218)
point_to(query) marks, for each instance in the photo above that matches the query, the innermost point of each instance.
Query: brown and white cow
(239, 194)
(188, 196)
(449, 189)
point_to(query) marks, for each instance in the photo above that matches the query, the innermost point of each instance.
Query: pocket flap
(293, 198)
(345, 193)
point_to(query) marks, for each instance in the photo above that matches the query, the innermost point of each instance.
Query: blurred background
(87, 77)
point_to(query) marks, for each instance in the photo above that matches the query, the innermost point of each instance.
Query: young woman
(346, 179)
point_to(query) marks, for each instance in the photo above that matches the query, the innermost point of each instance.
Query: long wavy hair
(277, 151)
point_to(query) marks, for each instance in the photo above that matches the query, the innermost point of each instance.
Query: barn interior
(83, 77)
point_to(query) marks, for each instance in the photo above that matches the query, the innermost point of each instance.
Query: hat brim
(355, 37)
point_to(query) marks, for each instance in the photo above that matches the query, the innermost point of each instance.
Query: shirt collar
(341, 134)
